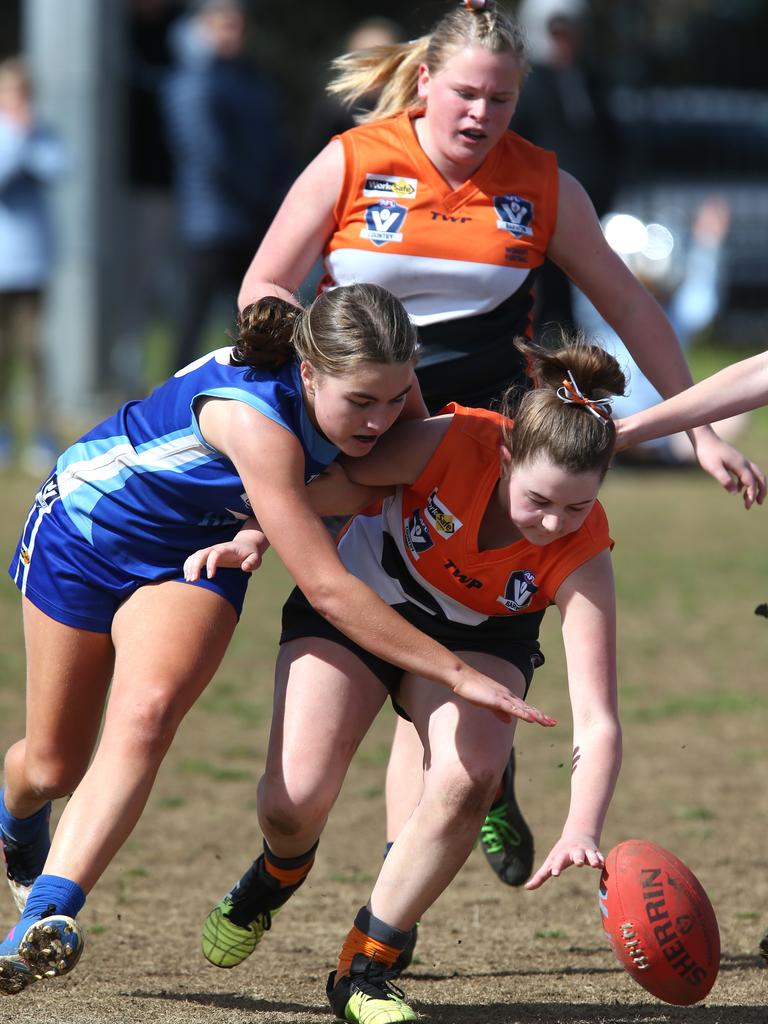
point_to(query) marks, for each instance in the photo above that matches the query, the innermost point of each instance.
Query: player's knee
(285, 818)
(53, 776)
(147, 728)
(292, 811)
(465, 790)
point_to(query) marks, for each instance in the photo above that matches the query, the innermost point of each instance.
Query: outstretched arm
(347, 486)
(330, 494)
(587, 606)
(737, 388)
(270, 462)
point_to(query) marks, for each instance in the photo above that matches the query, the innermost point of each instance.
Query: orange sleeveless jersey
(445, 254)
(421, 546)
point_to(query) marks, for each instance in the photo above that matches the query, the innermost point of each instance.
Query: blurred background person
(32, 157)
(229, 162)
(151, 248)
(565, 107)
(332, 117)
(688, 279)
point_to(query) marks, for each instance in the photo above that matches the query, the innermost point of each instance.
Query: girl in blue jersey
(236, 434)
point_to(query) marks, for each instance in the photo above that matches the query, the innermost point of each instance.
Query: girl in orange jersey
(491, 522)
(435, 199)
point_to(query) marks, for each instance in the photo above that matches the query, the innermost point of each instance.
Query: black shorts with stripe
(495, 636)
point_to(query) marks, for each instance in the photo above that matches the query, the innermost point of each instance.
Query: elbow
(602, 734)
(615, 739)
(252, 288)
(255, 287)
(611, 735)
(327, 599)
(244, 296)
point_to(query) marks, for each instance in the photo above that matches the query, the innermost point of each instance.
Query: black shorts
(300, 620)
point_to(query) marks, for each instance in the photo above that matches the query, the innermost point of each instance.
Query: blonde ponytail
(391, 71)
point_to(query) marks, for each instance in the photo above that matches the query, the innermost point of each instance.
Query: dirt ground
(693, 780)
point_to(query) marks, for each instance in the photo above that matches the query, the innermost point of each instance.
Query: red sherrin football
(660, 922)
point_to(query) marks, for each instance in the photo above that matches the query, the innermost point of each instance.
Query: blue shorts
(67, 579)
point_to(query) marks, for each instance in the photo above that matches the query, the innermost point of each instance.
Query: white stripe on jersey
(172, 455)
(360, 550)
(431, 289)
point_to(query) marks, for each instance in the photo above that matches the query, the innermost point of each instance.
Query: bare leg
(325, 701)
(405, 771)
(156, 680)
(466, 750)
(68, 673)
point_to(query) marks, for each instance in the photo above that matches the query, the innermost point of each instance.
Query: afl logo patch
(417, 534)
(519, 591)
(390, 185)
(515, 214)
(383, 222)
(444, 521)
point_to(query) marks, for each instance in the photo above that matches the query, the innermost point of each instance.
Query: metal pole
(74, 52)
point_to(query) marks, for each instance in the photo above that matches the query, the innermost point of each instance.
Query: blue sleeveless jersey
(146, 490)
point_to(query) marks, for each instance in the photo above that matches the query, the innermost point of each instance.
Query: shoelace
(496, 833)
(377, 979)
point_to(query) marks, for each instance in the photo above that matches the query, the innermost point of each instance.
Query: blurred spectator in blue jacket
(32, 157)
(150, 245)
(230, 169)
(687, 278)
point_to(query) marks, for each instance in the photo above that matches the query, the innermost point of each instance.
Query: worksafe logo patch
(382, 185)
(441, 517)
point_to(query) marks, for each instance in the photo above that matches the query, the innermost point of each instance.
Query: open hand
(579, 850)
(484, 692)
(730, 468)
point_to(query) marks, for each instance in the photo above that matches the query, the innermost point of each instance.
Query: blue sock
(387, 847)
(64, 896)
(22, 830)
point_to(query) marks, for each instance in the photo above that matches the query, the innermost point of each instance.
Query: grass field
(691, 567)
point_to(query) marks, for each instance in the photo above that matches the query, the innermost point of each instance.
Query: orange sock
(373, 938)
(289, 871)
(358, 942)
